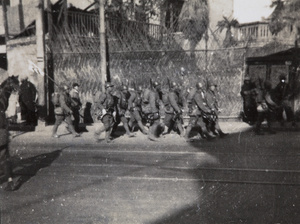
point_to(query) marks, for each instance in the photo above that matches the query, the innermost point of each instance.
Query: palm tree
(193, 21)
(227, 24)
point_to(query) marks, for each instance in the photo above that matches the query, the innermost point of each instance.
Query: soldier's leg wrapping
(168, 121)
(108, 122)
(180, 127)
(192, 123)
(260, 119)
(203, 128)
(58, 120)
(70, 124)
(137, 116)
(125, 125)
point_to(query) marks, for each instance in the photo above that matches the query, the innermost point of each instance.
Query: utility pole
(49, 64)
(4, 9)
(40, 42)
(103, 63)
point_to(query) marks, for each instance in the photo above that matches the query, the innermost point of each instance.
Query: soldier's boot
(98, 130)
(128, 132)
(54, 131)
(181, 130)
(72, 130)
(107, 137)
(208, 135)
(187, 133)
(270, 129)
(143, 129)
(160, 129)
(151, 135)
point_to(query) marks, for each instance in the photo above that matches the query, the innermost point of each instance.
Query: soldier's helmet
(199, 85)
(247, 78)
(211, 83)
(173, 85)
(155, 84)
(108, 84)
(282, 77)
(124, 88)
(65, 87)
(140, 89)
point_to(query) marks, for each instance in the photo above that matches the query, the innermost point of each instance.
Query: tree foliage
(227, 24)
(285, 13)
(194, 19)
(142, 11)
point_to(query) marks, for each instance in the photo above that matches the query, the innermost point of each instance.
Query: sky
(251, 10)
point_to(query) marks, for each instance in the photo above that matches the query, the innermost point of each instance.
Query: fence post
(4, 8)
(40, 44)
(102, 44)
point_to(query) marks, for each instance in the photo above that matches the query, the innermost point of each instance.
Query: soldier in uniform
(105, 109)
(156, 128)
(249, 104)
(211, 118)
(283, 97)
(135, 108)
(122, 106)
(75, 105)
(197, 107)
(173, 110)
(266, 107)
(65, 114)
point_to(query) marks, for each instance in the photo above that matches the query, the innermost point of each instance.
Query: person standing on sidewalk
(283, 96)
(27, 101)
(105, 109)
(75, 105)
(249, 104)
(266, 108)
(63, 112)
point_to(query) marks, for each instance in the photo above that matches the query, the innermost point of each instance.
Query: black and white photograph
(149, 111)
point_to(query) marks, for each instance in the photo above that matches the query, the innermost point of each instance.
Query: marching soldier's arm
(172, 100)
(201, 103)
(101, 101)
(62, 102)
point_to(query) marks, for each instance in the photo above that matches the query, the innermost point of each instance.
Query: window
(7, 2)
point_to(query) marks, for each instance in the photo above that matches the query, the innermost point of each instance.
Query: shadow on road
(256, 180)
(24, 169)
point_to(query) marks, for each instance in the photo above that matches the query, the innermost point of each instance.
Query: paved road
(242, 178)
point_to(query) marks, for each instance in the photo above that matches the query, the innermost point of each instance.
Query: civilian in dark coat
(27, 101)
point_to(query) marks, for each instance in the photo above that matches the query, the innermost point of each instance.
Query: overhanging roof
(292, 54)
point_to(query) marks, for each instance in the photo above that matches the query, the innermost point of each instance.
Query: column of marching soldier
(157, 112)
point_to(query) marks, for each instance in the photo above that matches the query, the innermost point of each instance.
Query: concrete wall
(18, 54)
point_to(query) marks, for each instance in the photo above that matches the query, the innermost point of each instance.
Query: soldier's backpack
(55, 99)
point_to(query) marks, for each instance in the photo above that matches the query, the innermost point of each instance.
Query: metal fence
(139, 51)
